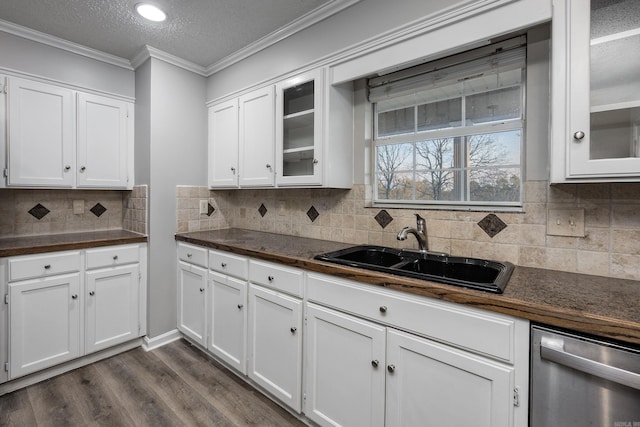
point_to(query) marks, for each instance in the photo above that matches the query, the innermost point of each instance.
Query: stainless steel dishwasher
(578, 381)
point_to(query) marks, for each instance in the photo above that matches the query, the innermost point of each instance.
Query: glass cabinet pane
(298, 130)
(614, 79)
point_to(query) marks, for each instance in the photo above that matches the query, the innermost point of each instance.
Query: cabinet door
(430, 384)
(344, 369)
(275, 344)
(112, 306)
(602, 136)
(103, 138)
(41, 134)
(44, 323)
(257, 138)
(223, 144)
(192, 287)
(229, 320)
(299, 129)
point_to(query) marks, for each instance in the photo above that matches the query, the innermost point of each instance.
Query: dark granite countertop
(601, 306)
(12, 246)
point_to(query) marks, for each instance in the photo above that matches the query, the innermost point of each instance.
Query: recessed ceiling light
(150, 12)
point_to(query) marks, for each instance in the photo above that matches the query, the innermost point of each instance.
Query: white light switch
(565, 222)
(204, 207)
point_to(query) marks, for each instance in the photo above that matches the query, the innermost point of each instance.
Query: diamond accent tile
(98, 209)
(39, 211)
(262, 209)
(492, 225)
(313, 213)
(211, 209)
(383, 218)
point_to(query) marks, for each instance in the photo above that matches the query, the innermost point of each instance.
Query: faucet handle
(419, 219)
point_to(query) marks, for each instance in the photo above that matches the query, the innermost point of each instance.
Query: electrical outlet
(78, 207)
(204, 207)
(565, 222)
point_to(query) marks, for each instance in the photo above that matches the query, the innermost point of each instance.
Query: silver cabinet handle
(270, 278)
(115, 257)
(552, 349)
(74, 296)
(83, 168)
(201, 289)
(293, 329)
(315, 161)
(268, 166)
(391, 368)
(67, 168)
(92, 293)
(223, 264)
(375, 363)
(189, 255)
(47, 267)
(383, 309)
(233, 170)
(240, 306)
(579, 135)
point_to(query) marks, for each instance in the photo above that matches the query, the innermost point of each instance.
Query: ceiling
(200, 31)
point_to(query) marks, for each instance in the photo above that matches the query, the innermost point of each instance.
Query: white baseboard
(149, 344)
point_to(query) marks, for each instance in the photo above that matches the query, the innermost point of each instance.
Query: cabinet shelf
(298, 114)
(297, 150)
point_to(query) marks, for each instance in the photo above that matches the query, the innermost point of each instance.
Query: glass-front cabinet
(299, 103)
(596, 90)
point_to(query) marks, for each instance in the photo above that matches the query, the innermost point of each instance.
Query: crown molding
(305, 21)
(49, 40)
(151, 52)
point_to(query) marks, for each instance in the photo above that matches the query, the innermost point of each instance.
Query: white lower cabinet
(344, 369)
(44, 323)
(431, 384)
(275, 344)
(192, 301)
(112, 306)
(63, 305)
(228, 327)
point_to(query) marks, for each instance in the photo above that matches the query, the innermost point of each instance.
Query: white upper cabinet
(61, 138)
(296, 133)
(41, 135)
(299, 129)
(223, 144)
(103, 141)
(256, 138)
(596, 91)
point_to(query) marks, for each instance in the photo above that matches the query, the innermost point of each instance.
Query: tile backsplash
(26, 212)
(611, 246)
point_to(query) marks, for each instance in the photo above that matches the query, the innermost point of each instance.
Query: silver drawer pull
(270, 278)
(47, 267)
(115, 257)
(240, 306)
(74, 296)
(293, 329)
(391, 368)
(189, 255)
(92, 293)
(375, 363)
(383, 309)
(223, 264)
(201, 289)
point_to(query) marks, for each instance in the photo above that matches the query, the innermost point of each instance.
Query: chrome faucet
(420, 232)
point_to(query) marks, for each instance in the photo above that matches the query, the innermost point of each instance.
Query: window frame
(463, 132)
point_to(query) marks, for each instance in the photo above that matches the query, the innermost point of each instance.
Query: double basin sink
(485, 275)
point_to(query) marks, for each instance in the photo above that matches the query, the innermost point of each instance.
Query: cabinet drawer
(32, 266)
(226, 263)
(112, 256)
(192, 254)
(472, 329)
(276, 276)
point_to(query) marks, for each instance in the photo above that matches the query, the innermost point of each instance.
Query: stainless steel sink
(486, 275)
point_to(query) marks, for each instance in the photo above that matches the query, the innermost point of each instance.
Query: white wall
(175, 153)
(30, 57)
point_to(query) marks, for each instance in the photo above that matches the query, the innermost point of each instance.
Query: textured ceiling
(200, 31)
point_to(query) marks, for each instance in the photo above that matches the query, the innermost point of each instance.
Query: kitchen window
(449, 133)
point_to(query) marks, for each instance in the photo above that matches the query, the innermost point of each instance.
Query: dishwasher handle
(552, 349)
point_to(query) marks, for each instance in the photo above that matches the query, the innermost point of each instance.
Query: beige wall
(125, 210)
(612, 223)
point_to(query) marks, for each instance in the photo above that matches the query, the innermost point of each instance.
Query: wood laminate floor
(174, 385)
